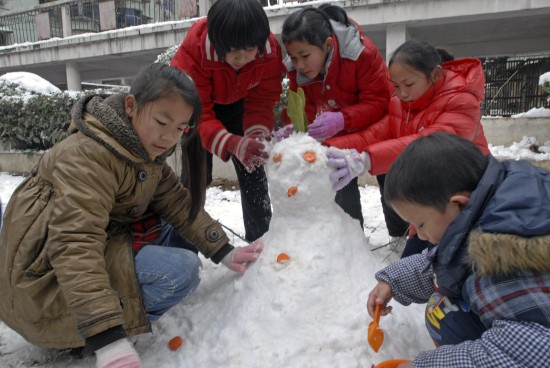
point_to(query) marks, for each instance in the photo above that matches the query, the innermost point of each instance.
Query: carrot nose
(292, 191)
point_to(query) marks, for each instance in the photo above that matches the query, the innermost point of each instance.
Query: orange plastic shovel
(394, 363)
(376, 335)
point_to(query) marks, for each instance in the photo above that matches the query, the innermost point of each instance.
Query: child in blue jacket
(487, 279)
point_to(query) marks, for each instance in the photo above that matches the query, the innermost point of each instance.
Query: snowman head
(298, 174)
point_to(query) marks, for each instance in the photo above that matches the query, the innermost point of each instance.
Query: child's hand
(240, 257)
(248, 151)
(326, 125)
(283, 133)
(381, 294)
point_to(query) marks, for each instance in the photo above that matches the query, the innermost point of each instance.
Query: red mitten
(248, 151)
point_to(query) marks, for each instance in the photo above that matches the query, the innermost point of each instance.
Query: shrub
(31, 120)
(167, 55)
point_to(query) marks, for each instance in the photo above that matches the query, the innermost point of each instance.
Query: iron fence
(512, 84)
(85, 17)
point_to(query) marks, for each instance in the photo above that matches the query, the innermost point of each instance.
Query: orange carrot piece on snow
(310, 156)
(292, 191)
(175, 343)
(283, 258)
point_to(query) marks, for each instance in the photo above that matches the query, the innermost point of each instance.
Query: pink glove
(283, 133)
(326, 125)
(348, 164)
(247, 150)
(118, 354)
(238, 259)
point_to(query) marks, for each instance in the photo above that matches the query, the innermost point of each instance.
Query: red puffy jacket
(258, 83)
(356, 82)
(451, 105)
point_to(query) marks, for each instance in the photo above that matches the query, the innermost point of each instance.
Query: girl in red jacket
(343, 75)
(236, 64)
(430, 95)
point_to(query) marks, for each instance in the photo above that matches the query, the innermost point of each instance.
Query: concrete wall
(499, 131)
(505, 131)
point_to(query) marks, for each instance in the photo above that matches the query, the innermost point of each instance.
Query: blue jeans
(166, 273)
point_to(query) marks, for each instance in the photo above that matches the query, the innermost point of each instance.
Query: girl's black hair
(433, 168)
(156, 81)
(313, 24)
(420, 55)
(237, 24)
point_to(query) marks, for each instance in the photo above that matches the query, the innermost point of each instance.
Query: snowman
(302, 303)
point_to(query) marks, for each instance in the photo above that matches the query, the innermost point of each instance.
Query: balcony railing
(84, 16)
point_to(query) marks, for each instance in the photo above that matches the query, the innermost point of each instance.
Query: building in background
(512, 38)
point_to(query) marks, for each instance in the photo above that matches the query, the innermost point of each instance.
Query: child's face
(159, 124)
(430, 222)
(410, 84)
(239, 58)
(308, 59)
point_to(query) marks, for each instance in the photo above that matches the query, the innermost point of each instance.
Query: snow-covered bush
(34, 114)
(544, 82)
(33, 121)
(167, 55)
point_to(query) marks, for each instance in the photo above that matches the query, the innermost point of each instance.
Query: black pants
(397, 227)
(349, 198)
(395, 224)
(255, 202)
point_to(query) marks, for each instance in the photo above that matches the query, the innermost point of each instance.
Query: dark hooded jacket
(496, 257)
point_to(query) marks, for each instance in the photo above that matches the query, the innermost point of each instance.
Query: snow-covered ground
(292, 308)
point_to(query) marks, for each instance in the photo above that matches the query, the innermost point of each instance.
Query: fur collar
(499, 254)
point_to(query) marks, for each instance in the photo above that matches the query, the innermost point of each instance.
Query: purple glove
(283, 133)
(326, 125)
(348, 164)
(118, 354)
(238, 259)
(247, 150)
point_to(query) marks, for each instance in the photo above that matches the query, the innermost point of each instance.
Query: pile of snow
(535, 112)
(30, 82)
(545, 78)
(522, 150)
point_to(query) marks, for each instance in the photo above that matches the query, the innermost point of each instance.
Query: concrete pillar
(66, 20)
(396, 34)
(204, 6)
(74, 82)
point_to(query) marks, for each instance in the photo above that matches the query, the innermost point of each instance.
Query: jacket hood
(464, 75)
(103, 118)
(504, 227)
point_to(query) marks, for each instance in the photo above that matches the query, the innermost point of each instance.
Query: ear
(130, 105)
(437, 73)
(460, 200)
(329, 44)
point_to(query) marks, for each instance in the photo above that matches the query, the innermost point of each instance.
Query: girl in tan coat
(69, 275)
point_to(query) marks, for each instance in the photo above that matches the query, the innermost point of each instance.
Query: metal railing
(511, 84)
(85, 16)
